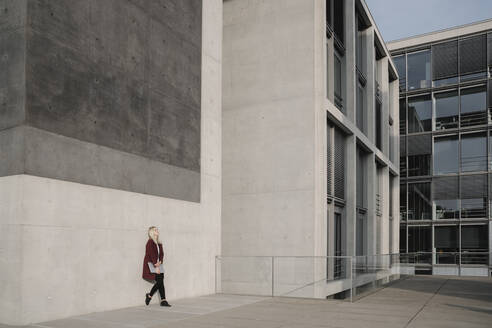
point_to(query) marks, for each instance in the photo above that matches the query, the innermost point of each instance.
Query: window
(339, 164)
(446, 198)
(490, 157)
(379, 128)
(360, 108)
(359, 45)
(474, 238)
(473, 196)
(361, 176)
(419, 73)
(445, 155)
(327, 71)
(447, 110)
(403, 116)
(474, 152)
(419, 155)
(403, 239)
(338, 81)
(329, 19)
(445, 63)
(379, 191)
(473, 57)
(361, 234)
(329, 160)
(419, 239)
(401, 67)
(474, 244)
(419, 165)
(390, 194)
(419, 201)
(338, 17)
(445, 241)
(473, 106)
(419, 114)
(403, 201)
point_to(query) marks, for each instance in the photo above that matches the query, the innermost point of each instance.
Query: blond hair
(152, 235)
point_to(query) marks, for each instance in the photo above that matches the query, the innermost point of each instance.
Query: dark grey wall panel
(55, 156)
(12, 14)
(106, 93)
(12, 77)
(12, 151)
(94, 69)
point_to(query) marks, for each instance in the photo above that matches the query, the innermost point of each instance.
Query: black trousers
(159, 285)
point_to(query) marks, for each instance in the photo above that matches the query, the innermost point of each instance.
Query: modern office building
(310, 135)
(446, 147)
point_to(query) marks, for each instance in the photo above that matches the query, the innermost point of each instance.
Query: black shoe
(165, 303)
(147, 299)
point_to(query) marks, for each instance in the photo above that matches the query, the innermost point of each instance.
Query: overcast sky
(398, 19)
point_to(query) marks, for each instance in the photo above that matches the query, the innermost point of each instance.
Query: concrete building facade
(266, 128)
(446, 148)
(110, 122)
(310, 165)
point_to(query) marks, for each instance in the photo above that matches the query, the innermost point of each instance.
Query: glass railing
(341, 277)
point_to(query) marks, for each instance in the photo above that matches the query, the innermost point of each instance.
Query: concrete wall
(274, 132)
(68, 248)
(268, 128)
(111, 76)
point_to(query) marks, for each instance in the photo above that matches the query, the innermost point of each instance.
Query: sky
(398, 19)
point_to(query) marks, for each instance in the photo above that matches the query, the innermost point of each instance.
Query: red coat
(151, 256)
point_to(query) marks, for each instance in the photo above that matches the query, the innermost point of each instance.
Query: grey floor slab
(421, 301)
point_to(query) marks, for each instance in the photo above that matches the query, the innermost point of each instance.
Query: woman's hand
(158, 270)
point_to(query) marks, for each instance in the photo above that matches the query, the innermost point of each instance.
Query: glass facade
(446, 155)
(418, 70)
(473, 106)
(419, 114)
(446, 110)
(445, 183)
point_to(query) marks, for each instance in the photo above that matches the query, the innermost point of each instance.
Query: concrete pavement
(421, 301)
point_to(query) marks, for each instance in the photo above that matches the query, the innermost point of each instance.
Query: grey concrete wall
(268, 128)
(72, 248)
(125, 75)
(12, 62)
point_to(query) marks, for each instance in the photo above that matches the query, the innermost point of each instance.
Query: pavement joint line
(110, 322)
(426, 302)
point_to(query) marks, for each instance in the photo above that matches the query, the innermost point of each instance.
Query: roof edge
(438, 34)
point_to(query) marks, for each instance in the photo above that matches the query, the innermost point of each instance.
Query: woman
(152, 266)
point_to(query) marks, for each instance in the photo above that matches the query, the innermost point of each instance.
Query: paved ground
(422, 301)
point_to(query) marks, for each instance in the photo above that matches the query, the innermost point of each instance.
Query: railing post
(273, 275)
(351, 278)
(459, 266)
(216, 260)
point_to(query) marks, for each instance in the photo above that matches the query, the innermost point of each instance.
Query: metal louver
(339, 164)
(328, 160)
(403, 146)
(445, 188)
(419, 144)
(489, 48)
(474, 186)
(445, 60)
(473, 54)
